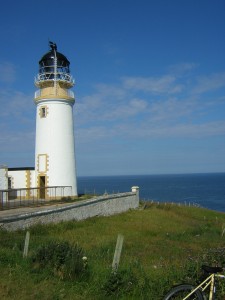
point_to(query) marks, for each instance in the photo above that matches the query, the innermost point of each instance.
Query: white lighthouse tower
(54, 149)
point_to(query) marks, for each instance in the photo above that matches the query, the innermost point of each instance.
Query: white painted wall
(55, 137)
(32, 179)
(18, 179)
(3, 178)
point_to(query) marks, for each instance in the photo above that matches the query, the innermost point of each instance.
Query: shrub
(119, 283)
(63, 259)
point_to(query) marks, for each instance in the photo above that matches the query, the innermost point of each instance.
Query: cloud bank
(173, 105)
(131, 117)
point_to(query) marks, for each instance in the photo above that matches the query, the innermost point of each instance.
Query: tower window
(43, 112)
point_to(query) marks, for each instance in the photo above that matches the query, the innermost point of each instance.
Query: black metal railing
(26, 197)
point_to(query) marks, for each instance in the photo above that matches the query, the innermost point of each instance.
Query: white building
(54, 145)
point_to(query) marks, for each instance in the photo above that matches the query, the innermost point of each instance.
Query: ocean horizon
(204, 189)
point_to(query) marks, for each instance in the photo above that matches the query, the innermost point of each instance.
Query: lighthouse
(54, 144)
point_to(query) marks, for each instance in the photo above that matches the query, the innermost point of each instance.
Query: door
(42, 187)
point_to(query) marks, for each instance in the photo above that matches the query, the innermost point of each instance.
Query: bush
(63, 259)
(119, 283)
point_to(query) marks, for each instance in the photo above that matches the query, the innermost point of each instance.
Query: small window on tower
(43, 112)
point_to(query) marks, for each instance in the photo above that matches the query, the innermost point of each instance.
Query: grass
(163, 245)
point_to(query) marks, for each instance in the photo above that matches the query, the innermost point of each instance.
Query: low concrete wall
(100, 206)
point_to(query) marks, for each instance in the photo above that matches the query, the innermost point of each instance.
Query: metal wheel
(181, 291)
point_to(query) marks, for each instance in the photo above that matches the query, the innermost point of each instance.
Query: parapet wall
(100, 206)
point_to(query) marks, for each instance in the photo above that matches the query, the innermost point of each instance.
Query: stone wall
(100, 206)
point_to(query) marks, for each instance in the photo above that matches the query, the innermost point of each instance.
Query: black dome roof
(51, 55)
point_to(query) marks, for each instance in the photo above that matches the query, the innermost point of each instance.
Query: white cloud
(172, 109)
(111, 90)
(131, 108)
(92, 133)
(134, 107)
(161, 85)
(209, 83)
(16, 105)
(186, 130)
(180, 69)
(139, 107)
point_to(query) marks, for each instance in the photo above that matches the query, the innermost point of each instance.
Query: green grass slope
(163, 245)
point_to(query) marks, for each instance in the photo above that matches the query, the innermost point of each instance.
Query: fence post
(116, 259)
(26, 244)
(223, 230)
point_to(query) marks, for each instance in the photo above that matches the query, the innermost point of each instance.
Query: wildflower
(84, 258)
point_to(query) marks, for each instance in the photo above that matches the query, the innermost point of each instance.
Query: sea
(206, 190)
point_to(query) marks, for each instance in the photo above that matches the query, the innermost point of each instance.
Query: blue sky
(150, 82)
